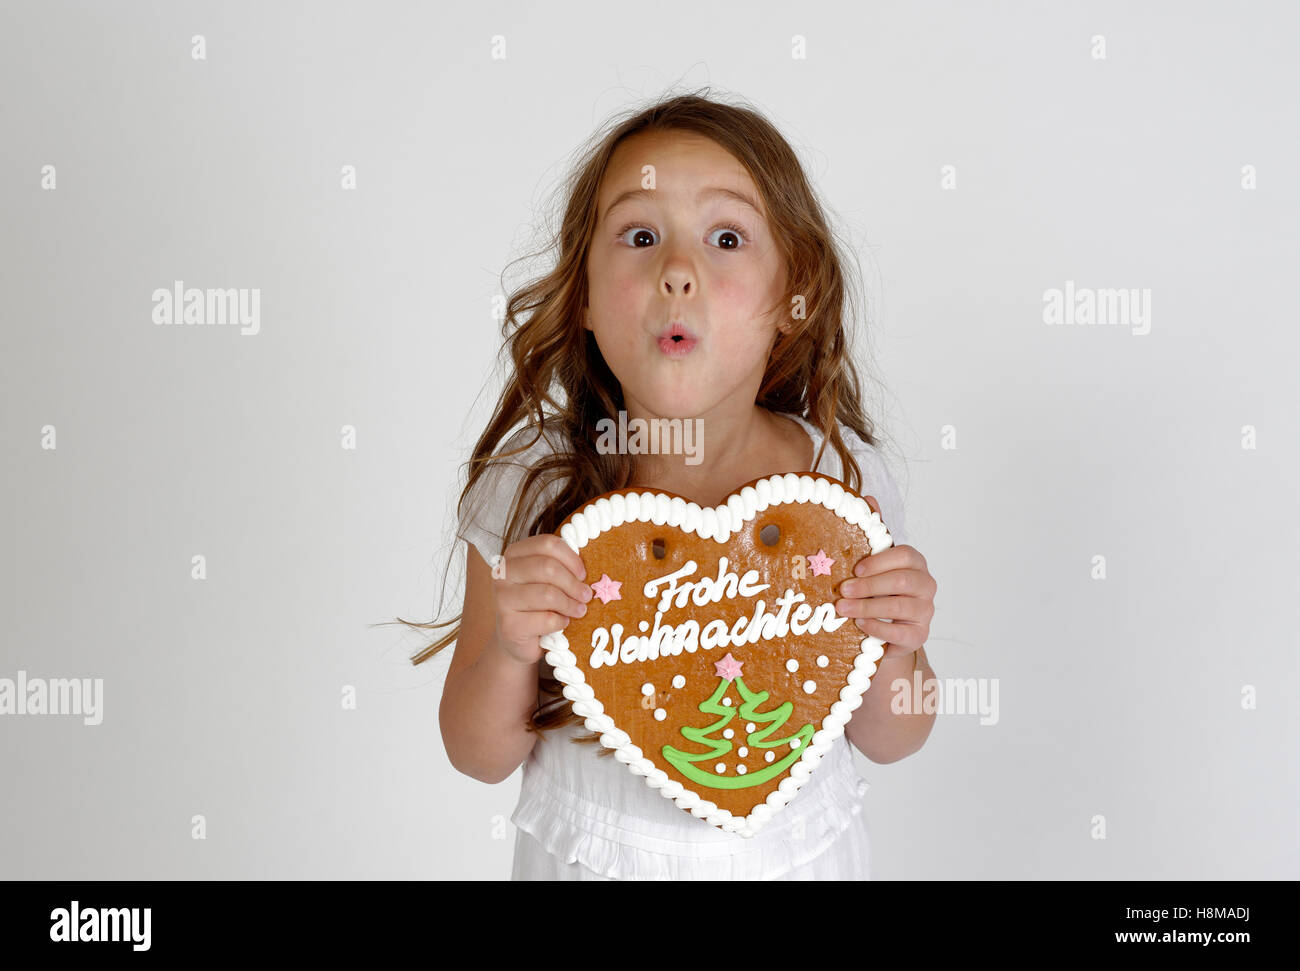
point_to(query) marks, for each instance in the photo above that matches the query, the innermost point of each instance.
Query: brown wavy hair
(810, 371)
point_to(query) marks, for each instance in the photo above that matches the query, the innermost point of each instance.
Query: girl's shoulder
(518, 452)
(485, 509)
(854, 442)
(867, 455)
(877, 479)
(529, 441)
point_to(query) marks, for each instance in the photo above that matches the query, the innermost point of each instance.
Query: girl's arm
(488, 695)
(892, 596)
(876, 730)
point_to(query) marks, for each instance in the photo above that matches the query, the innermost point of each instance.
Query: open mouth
(677, 341)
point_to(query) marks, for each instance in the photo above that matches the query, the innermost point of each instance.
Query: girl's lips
(677, 349)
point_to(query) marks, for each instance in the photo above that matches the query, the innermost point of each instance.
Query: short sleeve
(878, 483)
(485, 513)
(479, 524)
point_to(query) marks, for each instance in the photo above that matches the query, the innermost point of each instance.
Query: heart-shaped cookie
(712, 659)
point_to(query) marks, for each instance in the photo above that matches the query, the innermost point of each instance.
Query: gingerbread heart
(712, 659)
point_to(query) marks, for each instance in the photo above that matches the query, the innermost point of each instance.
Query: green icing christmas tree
(765, 723)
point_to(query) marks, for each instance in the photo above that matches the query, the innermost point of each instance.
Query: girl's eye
(641, 234)
(734, 231)
(736, 236)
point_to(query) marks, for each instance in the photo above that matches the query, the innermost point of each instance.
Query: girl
(695, 278)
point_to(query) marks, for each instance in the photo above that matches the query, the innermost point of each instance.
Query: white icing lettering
(686, 637)
(801, 613)
(704, 590)
(825, 618)
(790, 615)
(747, 587)
(599, 640)
(715, 632)
(628, 651)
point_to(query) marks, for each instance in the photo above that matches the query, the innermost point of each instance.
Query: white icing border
(718, 523)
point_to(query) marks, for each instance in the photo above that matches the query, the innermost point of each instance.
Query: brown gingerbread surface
(636, 553)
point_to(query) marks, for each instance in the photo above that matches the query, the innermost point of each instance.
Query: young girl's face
(686, 251)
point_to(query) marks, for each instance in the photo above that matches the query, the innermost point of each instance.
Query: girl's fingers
(523, 627)
(911, 583)
(548, 544)
(887, 561)
(911, 609)
(522, 597)
(904, 636)
(543, 568)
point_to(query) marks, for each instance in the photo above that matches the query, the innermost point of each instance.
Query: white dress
(582, 816)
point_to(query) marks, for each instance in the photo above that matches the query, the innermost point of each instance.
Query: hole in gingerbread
(659, 549)
(770, 534)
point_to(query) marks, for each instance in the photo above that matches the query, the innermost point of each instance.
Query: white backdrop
(976, 155)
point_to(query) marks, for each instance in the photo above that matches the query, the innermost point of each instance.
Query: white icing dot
(795, 743)
(823, 661)
(727, 702)
(750, 727)
(644, 625)
(647, 689)
(743, 752)
(660, 714)
(679, 682)
(810, 686)
(740, 770)
(792, 665)
(770, 756)
(720, 768)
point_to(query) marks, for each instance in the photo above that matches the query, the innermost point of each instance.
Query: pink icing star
(728, 668)
(820, 563)
(607, 589)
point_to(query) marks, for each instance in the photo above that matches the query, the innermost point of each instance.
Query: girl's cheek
(733, 288)
(628, 288)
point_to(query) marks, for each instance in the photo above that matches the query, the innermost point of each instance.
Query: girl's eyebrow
(706, 193)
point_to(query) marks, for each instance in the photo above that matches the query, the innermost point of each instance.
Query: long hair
(810, 371)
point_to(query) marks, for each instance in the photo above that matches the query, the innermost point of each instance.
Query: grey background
(222, 697)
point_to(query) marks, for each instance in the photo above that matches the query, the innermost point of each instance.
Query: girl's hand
(540, 586)
(894, 583)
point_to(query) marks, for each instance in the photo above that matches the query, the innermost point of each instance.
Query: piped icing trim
(717, 523)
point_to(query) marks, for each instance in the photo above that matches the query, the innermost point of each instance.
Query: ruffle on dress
(575, 829)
